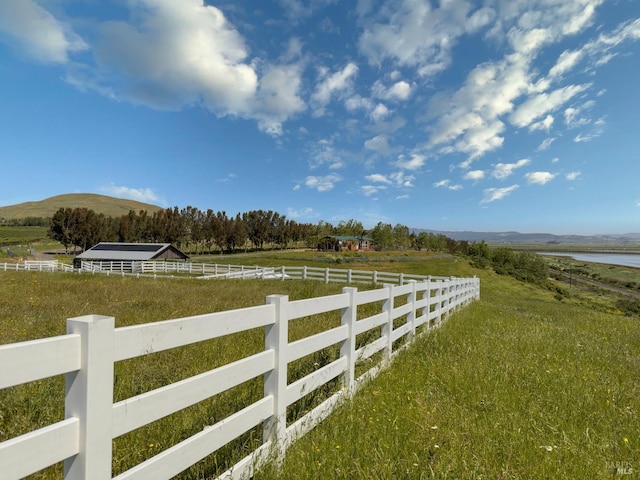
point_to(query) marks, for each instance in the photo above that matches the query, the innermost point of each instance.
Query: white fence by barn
(87, 353)
(206, 271)
(36, 266)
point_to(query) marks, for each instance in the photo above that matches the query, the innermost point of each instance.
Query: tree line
(189, 228)
(198, 231)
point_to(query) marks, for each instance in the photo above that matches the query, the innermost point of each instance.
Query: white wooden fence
(205, 271)
(87, 353)
(36, 266)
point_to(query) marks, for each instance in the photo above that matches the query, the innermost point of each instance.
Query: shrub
(630, 306)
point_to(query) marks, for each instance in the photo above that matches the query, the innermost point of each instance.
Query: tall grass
(517, 385)
(36, 305)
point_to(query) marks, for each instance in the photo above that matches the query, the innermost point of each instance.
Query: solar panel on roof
(130, 247)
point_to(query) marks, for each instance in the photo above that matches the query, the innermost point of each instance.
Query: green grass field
(517, 385)
(22, 235)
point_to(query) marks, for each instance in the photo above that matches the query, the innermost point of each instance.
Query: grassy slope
(518, 385)
(109, 206)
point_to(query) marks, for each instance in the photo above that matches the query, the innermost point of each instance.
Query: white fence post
(411, 316)
(275, 381)
(387, 327)
(438, 299)
(348, 346)
(427, 309)
(326, 275)
(89, 397)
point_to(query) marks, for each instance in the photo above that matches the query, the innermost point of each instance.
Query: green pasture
(521, 384)
(518, 385)
(12, 235)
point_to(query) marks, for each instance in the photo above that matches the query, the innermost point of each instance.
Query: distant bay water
(624, 259)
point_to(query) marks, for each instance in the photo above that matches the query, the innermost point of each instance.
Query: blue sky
(489, 115)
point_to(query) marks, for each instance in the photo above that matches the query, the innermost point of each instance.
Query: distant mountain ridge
(541, 238)
(109, 206)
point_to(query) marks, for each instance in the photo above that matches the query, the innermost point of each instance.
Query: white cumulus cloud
(474, 175)
(504, 170)
(544, 124)
(370, 190)
(164, 54)
(378, 144)
(334, 83)
(37, 33)
(322, 183)
(415, 33)
(540, 178)
(138, 194)
(413, 162)
(546, 143)
(378, 178)
(380, 112)
(493, 194)
(305, 213)
(448, 185)
(400, 90)
(543, 103)
(176, 54)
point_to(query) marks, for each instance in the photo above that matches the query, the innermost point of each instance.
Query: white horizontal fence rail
(36, 266)
(206, 271)
(87, 354)
(202, 270)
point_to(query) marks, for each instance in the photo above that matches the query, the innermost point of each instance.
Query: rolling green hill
(109, 206)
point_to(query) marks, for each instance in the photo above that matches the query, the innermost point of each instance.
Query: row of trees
(188, 228)
(198, 231)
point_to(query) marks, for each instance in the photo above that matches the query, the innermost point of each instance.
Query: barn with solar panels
(129, 253)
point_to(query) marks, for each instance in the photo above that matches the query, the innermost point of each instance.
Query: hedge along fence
(87, 353)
